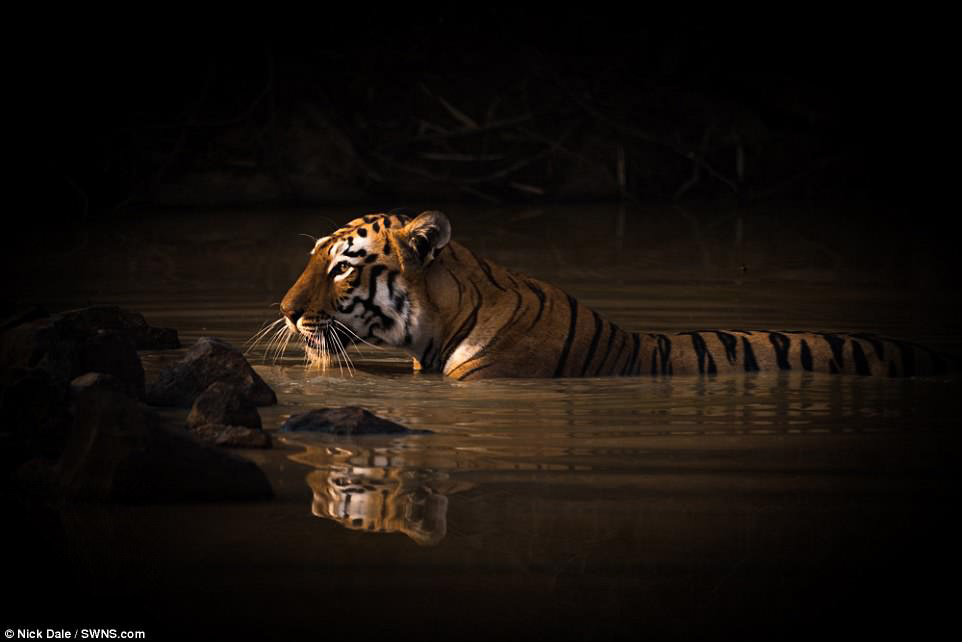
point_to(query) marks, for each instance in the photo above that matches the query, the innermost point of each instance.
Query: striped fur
(393, 280)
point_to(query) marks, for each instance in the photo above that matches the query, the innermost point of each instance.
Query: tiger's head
(366, 281)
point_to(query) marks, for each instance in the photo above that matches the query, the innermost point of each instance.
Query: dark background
(493, 105)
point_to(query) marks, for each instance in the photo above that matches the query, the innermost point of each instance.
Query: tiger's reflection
(375, 490)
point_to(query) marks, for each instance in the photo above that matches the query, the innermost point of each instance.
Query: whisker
(339, 345)
(270, 341)
(287, 342)
(258, 336)
(276, 341)
(356, 336)
(340, 368)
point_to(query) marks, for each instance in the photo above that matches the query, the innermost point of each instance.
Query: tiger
(398, 279)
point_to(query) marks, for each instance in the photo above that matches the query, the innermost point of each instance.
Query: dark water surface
(765, 505)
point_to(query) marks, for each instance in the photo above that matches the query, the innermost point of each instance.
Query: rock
(37, 479)
(159, 339)
(347, 420)
(99, 380)
(48, 344)
(13, 318)
(232, 436)
(225, 404)
(34, 416)
(108, 427)
(67, 349)
(120, 450)
(113, 353)
(131, 324)
(175, 467)
(209, 360)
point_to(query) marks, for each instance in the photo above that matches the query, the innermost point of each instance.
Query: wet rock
(120, 450)
(66, 349)
(131, 324)
(48, 344)
(159, 339)
(232, 436)
(98, 380)
(346, 420)
(209, 360)
(108, 426)
(113, 353)
(225, 404)
(34, 416)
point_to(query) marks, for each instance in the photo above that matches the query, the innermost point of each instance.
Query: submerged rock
(209, 360)
(176, 467)
(226, 404)
(232, 436)
(119, 450)
(346, 420)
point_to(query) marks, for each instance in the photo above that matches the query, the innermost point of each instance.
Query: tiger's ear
(427, 234)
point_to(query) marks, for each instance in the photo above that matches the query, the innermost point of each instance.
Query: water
(762, 505)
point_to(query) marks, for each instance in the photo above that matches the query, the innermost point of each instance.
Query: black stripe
(858, 355)
(806, 356)
(611, 338)
(497, 335)
(730, 343)
(877, 344)
(630, 364)
(487, 270)
(620, 350)
(462, 333)
(473, 370)
(594, 343)
(538, 292)
(459, 284)
(908, 358)
(568, 339)
(403, 214)
(664, 351)
(654, 361)
(424, 356)
(781, 343)
(749, 359)
(701, 351)
(837, 363)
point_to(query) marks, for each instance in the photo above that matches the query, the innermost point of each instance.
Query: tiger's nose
(293, 314)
